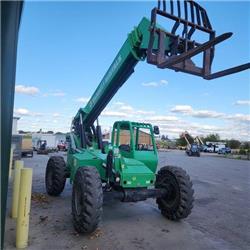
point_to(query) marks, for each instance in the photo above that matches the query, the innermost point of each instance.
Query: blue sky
(65, 49)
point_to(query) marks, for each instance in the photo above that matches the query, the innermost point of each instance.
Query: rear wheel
(178, 202)
(87, 199)
(56, 174)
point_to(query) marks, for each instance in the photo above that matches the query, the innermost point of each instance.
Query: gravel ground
(219, 220)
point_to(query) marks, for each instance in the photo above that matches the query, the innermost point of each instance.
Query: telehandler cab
(128, 171)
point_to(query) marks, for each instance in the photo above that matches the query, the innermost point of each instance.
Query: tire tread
(186, 192)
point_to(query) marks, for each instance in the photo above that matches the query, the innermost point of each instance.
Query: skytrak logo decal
(106, 79)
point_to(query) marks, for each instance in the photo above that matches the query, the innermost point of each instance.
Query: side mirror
(156, 130)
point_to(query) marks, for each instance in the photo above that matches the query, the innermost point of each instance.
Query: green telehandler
(127, 170)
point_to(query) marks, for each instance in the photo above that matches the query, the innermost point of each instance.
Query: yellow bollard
(11, 161)
(22, 231)
(16, 186)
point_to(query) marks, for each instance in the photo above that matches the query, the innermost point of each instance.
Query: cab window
(125, 139)
(143, 139)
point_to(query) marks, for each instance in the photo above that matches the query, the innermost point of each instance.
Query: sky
(65, 48)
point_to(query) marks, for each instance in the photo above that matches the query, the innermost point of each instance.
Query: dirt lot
(220, 218)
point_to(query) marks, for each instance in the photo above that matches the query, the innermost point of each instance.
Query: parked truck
(27, 148)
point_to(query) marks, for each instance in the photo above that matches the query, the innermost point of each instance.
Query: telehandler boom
(126, 169)
(192, 148)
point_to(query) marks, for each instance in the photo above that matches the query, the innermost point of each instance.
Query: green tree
(234, 144)
(246, 145)
(212, 137)
(181, 142)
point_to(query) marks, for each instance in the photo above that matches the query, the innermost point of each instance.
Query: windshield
(143, 139)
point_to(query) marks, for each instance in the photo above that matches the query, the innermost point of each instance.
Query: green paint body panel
(136, 174)
(135, 168)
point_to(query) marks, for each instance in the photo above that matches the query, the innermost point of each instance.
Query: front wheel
(178, 202)
(87, 199)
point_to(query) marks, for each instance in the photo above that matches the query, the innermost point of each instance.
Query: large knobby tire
(178, 201)
(55, 176)
(87, 199)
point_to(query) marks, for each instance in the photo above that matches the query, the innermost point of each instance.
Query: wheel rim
(78, 201)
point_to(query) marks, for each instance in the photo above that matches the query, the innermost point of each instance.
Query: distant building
(14, 125)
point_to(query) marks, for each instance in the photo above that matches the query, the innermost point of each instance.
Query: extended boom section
(133, 50)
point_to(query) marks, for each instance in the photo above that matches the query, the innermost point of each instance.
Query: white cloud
(188, 110)
(58, 93)
(143, 112)
(25, 112)
(175, 128)
(230, 126)
(182, 109)
(126, 108)
(149, 84)
(27, 90)
(207, 128)
(206, 114)
(56, 115)
(110, 113)
(82, 100)
(155, 84)
(242, 102)
(239, 117)
(161, 118)
(22, 111)
(129, 110)
(119, 103)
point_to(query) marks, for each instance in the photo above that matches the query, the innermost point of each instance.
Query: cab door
(124, 139)
(145, 150)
